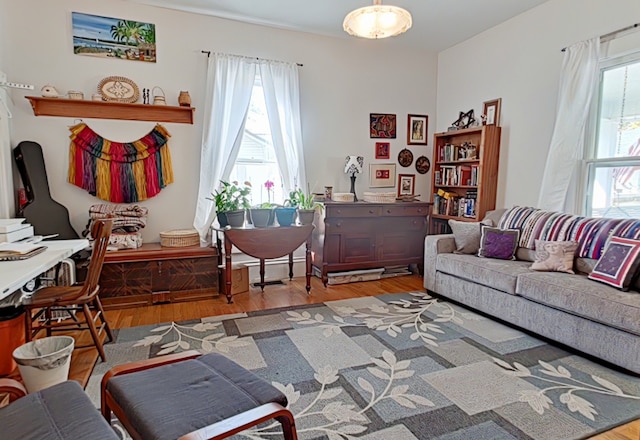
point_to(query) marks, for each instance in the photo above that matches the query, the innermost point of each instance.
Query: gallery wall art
(107, 37)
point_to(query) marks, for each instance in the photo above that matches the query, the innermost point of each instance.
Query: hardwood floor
(274, 296)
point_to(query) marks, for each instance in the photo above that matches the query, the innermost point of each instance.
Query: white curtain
(228, 93)
(578, 80)
(7, 208)
(282, 97)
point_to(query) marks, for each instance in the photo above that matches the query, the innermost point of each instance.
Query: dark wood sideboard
(154, 274)
(362, 235)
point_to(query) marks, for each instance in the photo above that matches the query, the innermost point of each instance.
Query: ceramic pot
(260, 217)
(184, 100)
(235, 219)
(285, 216)
(305, 216)
(222, 219)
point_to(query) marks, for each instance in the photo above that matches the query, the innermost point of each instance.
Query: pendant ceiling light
(377, 21)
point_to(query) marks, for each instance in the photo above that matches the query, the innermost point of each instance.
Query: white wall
(342, 81)
(519, 61)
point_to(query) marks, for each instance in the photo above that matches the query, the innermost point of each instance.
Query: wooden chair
(83, 297)
(189, 396)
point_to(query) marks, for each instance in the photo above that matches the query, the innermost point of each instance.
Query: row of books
(456, 175)
(451, 153)
(446, 203)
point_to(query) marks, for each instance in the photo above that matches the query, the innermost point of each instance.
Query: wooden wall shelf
(76, 108)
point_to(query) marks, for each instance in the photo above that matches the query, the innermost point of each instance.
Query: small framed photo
(382, 125)
(383, 150)
(406, 184)
(382, 175)
(491, 112)
(417, 129)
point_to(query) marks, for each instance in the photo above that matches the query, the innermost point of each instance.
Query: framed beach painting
(97, 36)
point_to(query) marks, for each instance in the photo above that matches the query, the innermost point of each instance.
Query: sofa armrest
(434, 245)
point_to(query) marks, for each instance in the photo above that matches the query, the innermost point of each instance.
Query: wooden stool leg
(92, 328)
(27, 325)
(288, 426)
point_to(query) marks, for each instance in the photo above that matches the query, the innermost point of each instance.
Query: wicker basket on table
(179, 238)
(380, 197)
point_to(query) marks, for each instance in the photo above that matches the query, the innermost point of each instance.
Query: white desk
(15, 274)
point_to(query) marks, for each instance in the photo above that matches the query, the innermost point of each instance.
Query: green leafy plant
(232, 197)
(298, 199)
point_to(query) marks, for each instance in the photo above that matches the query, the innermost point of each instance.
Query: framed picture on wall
(491, 112)
(417, 129)
(382, 125)
(383, 150)
(382, 175)
(406, 184)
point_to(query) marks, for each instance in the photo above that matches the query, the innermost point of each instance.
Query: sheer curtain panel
(578, 79)
(282, 97)
(228, 92)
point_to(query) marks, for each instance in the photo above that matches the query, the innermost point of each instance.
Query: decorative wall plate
(405, 157)
(118, 89)
(423, 165)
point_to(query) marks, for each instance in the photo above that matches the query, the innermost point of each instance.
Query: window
(613, 163)
(256, 162)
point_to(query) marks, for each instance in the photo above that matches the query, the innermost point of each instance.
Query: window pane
(616, 192)
(256, 161)
(619, 115)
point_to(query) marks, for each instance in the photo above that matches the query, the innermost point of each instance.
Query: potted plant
(305, 205)
(231, 202)
(263, 215)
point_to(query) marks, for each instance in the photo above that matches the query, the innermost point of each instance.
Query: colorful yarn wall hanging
(120, 172)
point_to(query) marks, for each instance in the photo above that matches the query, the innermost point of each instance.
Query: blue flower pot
(285, 216)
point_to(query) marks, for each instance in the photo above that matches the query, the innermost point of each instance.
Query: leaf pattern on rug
(340, 420)
(538, 399)
(212, 342)
(403, 314)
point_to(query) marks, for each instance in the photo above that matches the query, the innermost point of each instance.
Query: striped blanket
(591, 234)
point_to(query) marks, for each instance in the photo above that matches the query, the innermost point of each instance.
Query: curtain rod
(611, 35)
(208, 52)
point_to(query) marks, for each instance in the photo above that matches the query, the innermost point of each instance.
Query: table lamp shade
(353, 165)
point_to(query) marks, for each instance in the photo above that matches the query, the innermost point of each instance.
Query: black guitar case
(45, 214)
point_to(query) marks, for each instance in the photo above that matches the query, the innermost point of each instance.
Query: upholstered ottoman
(61, 412)
(191, 396)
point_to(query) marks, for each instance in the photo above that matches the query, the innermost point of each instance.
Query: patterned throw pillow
(618, 264)
(499, 243)
(467, 235)
(555, 256)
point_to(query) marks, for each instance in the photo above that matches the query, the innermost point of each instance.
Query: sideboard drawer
(403, 211)
(352, 210)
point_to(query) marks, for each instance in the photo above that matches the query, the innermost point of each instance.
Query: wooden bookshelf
(464, 180)
(78, 108)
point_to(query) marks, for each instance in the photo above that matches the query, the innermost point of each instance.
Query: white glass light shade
(377, 21)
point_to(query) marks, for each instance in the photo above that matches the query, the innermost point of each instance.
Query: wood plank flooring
(274, 296)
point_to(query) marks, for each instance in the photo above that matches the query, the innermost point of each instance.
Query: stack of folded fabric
(127, 222)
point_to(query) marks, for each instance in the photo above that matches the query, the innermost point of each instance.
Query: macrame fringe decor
(120, 172)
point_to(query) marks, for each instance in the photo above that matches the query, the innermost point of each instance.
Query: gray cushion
(172, 400)
(499, 274)
(62, 411)
(583, 297)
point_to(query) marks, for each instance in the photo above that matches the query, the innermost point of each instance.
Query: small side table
(263, 244)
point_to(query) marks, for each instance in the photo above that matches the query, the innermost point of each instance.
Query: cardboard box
(239, 279)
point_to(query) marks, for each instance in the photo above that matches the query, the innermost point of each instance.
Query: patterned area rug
(401, 366)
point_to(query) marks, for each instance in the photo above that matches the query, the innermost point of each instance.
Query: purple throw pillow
(499, 243)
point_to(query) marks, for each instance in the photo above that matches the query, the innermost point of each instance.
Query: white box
(14, 236)
(11, 224)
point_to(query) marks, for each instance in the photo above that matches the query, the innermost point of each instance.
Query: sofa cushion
(554, 256)
(63, 411)
(499, 274)
(467, 235)
(499, 243)
(580, 296)
(618, 264)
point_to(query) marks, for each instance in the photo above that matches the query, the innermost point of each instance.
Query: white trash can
(44, 362)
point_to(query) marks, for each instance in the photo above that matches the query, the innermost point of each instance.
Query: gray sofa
(571, 309)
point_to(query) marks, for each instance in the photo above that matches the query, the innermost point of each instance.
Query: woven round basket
(380, 197)
(179, 238)
(342, 197)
